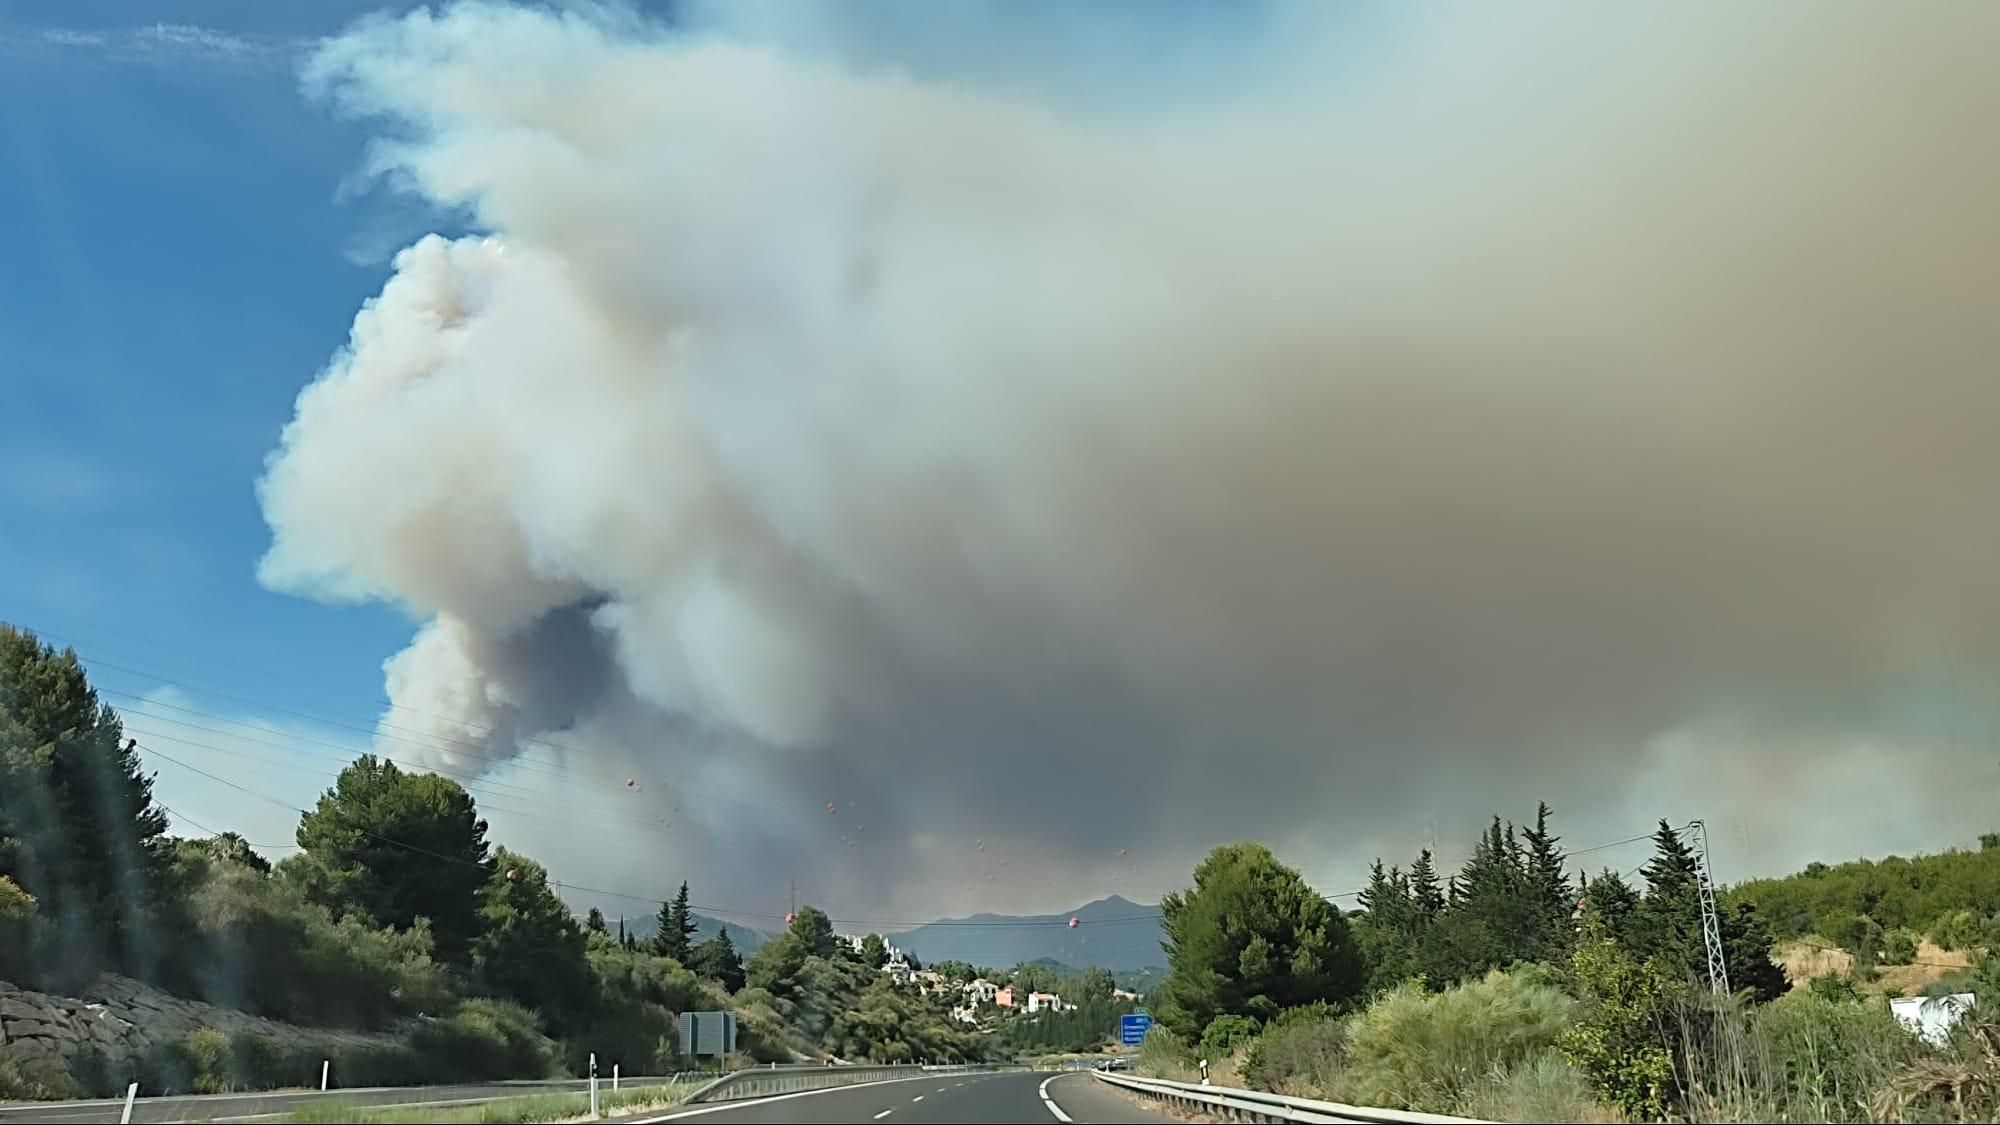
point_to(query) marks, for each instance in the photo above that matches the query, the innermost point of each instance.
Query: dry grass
(1806, 960)
(1804, 963)
(1967, 1089)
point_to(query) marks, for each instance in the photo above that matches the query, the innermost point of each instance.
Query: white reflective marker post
(593, 1083)
(325, 1068)
(614, 1078)
(131, 1092)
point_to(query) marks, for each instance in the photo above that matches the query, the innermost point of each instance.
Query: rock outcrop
(124, 1020)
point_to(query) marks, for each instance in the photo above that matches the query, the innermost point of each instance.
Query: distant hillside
(1145, 981)
(745, 939)
(1113, 933)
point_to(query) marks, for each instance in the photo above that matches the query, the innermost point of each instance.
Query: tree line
(397, 912)
(1252, 939)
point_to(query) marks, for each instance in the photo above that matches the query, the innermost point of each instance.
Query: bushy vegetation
(1426, 1050)
(1250, 940)
(1496, 995)
(397, 915)
(828, 1000)
(1950, 896)
(1299, 1053)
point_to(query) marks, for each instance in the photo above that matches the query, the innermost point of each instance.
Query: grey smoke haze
(1594, 405)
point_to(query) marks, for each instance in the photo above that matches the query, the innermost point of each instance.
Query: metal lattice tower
(1711, 926)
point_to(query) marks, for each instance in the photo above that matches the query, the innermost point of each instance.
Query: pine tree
(676, 927)
(717, 960)
(1492, 918)
(665, 931)
(1667, 923)
(1612, 902)
(594, 922)
(1426, 897)
(77, 818)
(1548, 885)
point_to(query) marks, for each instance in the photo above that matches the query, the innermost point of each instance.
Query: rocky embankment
(125, 1020)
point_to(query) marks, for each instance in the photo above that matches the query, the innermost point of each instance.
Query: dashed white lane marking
(918, 1098)
(883, 1114)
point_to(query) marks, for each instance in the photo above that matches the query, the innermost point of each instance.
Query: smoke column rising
(1565, 407)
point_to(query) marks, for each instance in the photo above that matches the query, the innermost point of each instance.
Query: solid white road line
(1051, 1102)
(718, 1107)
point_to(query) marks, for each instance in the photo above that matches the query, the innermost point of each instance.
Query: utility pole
(1711, 926)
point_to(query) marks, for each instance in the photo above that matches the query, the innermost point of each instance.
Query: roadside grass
(528, 1108)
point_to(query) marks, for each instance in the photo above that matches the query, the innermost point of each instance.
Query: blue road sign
(1132, 1028)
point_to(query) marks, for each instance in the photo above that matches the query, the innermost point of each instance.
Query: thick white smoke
(1464, 427)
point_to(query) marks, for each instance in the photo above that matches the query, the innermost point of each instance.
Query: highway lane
(270, 1105)
(943, 1099)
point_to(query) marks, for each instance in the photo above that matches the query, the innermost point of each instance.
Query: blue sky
(177, 264)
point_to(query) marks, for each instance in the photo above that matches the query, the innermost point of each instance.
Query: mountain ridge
(1112, 933)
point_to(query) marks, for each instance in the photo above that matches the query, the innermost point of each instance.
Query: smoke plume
(1597, 407)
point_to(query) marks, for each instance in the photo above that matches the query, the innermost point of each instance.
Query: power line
(650, 899)
(471, 781)
(186, 819)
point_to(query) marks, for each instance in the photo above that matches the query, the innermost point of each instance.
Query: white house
(1931, 1017)
(1121, 994)
(1044, 1001)
(981, 991)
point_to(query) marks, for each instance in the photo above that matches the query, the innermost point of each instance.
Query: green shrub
(1834, 986)
(91, 1070)
(1543, 1088)
(1860, 935)
(1298, 1053)
(1816, 1059)
(1224, 1034)
(1899, 947)
(37, 1079)
(484, 1039)
(1623, 1039)
(1959, 930)
(1163, 1054)
(256, 1064)
(255, 943)
(370, 1066)
(207, 1053)
(1417, 1050)
(166, 1067)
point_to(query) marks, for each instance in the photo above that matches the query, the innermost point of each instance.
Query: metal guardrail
(1256, 1105)
(758, 1082)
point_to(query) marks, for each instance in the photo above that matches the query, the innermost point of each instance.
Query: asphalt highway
(944, 1099)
